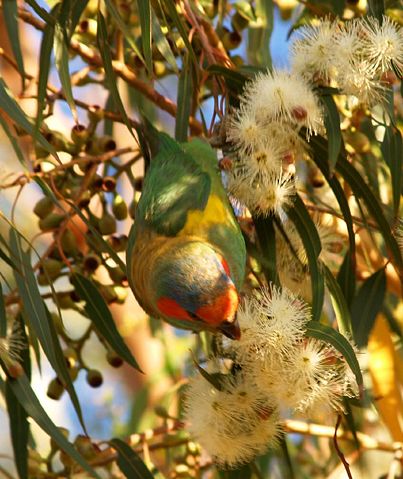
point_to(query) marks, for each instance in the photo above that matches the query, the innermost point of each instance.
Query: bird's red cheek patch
(226, 267)
(223, 308)
(169, 307)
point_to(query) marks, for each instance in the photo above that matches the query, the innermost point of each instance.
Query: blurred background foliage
(77, 78)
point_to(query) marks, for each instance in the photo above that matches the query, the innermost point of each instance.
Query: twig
(339, 451)
(366, 442)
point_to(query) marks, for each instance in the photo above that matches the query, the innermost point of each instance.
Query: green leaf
(162, 44)
(62, 65)
(10, 12)
(339, 303)
(266, 235)
(184, 100)
(75, 14)
(317, 330)
(346, 278)
(244, 472)
(170, 7)
(44, 63)
(19, 429)
(48, 18)
(40, 319)
(3, 317)
(8, 104)
(28, 400)
(259, 34)
(110, 78)
(376, 8)
(14, 143)
(129, 462)
(366, 306)
(144, 9)
(332, 124)
(127, 32)
(98, 311)
(320, 148)
(393, 154)
(234, 80)
(299, 215)
(361, 190)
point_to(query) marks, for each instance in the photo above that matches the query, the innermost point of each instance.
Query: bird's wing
(175, 184)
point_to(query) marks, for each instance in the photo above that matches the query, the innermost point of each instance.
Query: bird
(186, 254)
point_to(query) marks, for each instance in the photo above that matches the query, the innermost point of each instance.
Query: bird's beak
(230, 329)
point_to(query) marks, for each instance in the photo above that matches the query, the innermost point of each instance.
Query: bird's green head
(193, 283)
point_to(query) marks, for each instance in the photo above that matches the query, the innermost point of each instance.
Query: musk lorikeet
(186, 254)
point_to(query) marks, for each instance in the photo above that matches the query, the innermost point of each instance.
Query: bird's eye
(194, 316)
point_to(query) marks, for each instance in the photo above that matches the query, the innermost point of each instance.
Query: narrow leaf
(3, 317)
(346, 278)
(393, 154)
(184, 101)
(234, 80)
(8, 104)
(98, 311)
(62, 65)
(14, 143)
(332, 124)
(127, 32)
(366, 306)
(44, 64)
(76, 12)
(299, 215)
(361, 190)
(129, 462)
(144, 8)
(267, 241)
(40, 320)
(104, 49)
(376, 8)
(48, 18)
(259, 34)
(317, 330)
(28, 400)
(162, 43)
(320, 149)
(19, 429)
(339, 303)
(170, 6)
(10, 13)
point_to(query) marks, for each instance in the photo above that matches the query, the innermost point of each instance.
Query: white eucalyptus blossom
(358, 79)
(383, 43)
(234, 423)
(270, 323)
(262, 193)
(285, 98)
(312, 52)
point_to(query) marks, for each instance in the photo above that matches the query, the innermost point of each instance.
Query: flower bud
(119, 208)
(51, 221)
(79, 134)
(94, 378)
(114, 359)
(69, 242)
(43, 207)
(117, 275)
(106, 143)
(55, 389)
(52, 267)
(107, 224)
(239, 22)
(91, 262)
(118, 243)
(109, 183)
